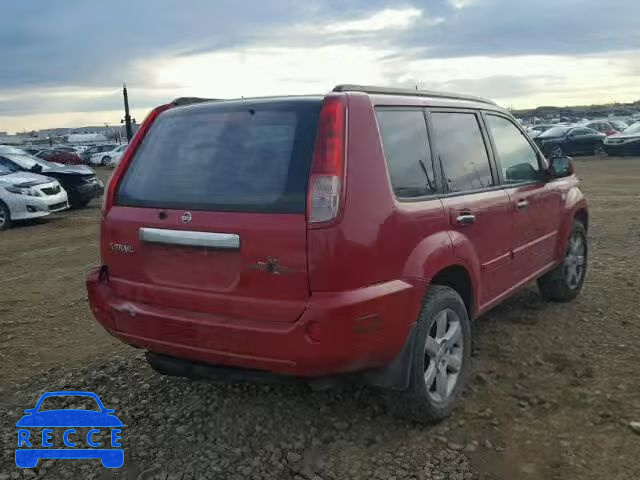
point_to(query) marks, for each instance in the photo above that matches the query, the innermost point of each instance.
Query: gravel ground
(554, 395)
(176, 428)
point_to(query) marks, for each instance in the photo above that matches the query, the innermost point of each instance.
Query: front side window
(578, 132)
(518, 160)
(462, 151)
(406, 149)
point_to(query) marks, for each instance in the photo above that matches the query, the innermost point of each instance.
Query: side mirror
(560, 167)
(36, 168)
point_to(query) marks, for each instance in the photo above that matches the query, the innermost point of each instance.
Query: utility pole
(127, 117)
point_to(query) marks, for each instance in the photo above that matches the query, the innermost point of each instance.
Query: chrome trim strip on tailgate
(227, 241)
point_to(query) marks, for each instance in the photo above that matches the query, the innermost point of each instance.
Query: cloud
(541, 27)
(384, 19)
(56, 101)
(73, 55)
(458, 4)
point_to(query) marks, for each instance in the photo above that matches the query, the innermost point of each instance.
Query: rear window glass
(406, 148)
(232, 156)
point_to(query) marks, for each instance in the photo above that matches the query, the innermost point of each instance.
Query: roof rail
(178, 102)
(410, 92)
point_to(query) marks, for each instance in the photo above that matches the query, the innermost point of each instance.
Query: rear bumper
(337, 333)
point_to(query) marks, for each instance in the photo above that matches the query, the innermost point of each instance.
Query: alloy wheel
(443, 355)
(574, 261)
(556, 152)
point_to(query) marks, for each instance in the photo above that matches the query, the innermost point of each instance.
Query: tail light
(128, 155)
(326, 182)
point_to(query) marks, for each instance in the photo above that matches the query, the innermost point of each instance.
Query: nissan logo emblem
(186, 217)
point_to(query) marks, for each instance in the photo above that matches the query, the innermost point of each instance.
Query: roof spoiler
(179, 102)
(410, 92)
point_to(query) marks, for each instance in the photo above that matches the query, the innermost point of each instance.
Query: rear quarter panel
(378, 239)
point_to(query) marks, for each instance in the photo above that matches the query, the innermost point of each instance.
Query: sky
(63, 62)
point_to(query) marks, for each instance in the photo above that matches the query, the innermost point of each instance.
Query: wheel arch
(6, 205)
(582, 215)
(458, 278)
(575, 208)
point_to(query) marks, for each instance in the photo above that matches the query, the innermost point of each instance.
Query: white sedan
(25, 195)
(105, 158)
(117, 156)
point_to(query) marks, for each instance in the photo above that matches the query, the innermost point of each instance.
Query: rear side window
(462, 151)
(227, 156)
(406, 148)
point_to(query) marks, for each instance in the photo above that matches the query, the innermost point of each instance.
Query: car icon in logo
(61, 424)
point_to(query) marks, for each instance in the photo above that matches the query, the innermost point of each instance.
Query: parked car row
(107, 157)
(104, 154)
(31, 187)
(597, 137)
(561, 140)
(624, 143)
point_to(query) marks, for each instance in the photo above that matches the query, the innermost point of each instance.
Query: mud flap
(396, 375)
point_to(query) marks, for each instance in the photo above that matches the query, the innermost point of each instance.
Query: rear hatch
(209, 215)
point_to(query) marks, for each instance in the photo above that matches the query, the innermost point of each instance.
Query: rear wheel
(441, 359)
(565, 281)
(599, 150)
(556, 151)
(105, 160)
(78, 202)
(5, 216)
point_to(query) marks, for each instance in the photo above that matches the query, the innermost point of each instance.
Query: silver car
(25, 195)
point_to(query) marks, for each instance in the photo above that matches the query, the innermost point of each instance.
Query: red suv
(347, 236)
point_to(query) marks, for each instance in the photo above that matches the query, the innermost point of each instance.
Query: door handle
(522, 203)
(466, 219)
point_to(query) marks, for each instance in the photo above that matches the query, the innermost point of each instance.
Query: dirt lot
(555, 386)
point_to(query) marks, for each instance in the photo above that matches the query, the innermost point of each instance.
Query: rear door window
(462, 151)
(228, 156)
(406, 148)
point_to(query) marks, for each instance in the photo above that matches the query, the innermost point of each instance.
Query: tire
(112, 459)
(598, 149)
(26, 459)
(169, 366)
(5, 216)
(105, 160)
(79, 203)
(422, 401)
(563, 283)
(556, 151)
